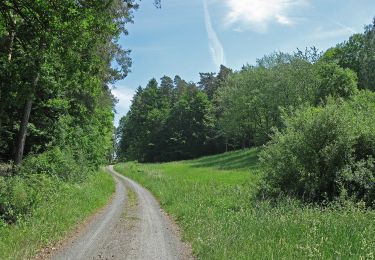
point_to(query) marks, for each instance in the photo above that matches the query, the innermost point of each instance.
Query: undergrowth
(43, 209)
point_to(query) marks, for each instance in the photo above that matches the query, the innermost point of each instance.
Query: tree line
(172, 120)
(56, 60)
(177, 120)
(312, 113)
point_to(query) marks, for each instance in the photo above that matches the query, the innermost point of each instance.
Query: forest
(313, 112)
(58, 60)
(309, 114)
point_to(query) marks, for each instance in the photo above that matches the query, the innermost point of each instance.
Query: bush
(58, 163)
(37, 178)
(20, 195)
(325, 153)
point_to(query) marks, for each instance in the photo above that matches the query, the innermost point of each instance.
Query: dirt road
(132, 226)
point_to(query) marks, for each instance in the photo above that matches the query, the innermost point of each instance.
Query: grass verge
(213, 200)
(56, 216)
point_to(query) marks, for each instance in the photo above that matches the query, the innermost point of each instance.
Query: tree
(208, 83)
(335, 82)
(167, 122)
(56, 67)
(252, 100)
(144, 124)
(189, 126)
(357, 55)
(166, 87)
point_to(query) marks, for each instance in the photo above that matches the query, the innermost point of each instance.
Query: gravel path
(132, 226)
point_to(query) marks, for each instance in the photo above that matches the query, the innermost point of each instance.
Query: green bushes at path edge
(38, 176)
(62, 164)
(325, 153)
(19, 196)
(46, 209)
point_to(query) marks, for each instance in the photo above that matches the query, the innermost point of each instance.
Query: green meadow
(214, 200)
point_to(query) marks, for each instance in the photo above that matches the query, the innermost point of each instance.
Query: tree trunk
(23, 131)
(11, 44)
(27, 110)
(23, 126)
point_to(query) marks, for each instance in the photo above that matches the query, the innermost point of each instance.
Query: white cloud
(281, 19)
(124, 95)
(257, 14)
(215, 46)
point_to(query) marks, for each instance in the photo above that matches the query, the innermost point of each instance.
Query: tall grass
(213, 200)
(58, 214)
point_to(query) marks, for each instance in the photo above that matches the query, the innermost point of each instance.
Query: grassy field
(213, 201)
(59, 214)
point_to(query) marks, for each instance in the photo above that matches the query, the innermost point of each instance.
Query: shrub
(20, 195)
(37, 178)
(325, 152)
(58, 163)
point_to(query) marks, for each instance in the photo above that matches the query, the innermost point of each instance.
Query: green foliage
(325, 153)
(210, 82)
(244, 107)
(20, 196)
(335, 82)
(56, 208)
(357, 54)
(21, 193)
(56, 163)
(252, 100)
(189, 125)
(173, 121)
(61, 56)
(213, 199)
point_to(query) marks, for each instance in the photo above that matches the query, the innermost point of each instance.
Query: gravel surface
(132, 226)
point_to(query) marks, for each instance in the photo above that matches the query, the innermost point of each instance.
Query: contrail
(343, 26)
(214, 44)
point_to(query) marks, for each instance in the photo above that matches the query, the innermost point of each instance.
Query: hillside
(214, 201)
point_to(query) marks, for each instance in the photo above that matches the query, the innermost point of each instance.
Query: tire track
(136, 230)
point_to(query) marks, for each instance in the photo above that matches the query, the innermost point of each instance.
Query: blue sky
(187, 37)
